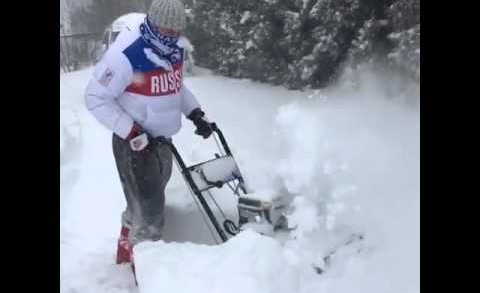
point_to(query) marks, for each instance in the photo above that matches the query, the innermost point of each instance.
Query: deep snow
(351, 156)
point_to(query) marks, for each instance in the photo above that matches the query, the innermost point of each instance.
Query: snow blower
(263, 216)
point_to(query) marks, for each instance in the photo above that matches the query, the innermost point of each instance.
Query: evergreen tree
(302, 43)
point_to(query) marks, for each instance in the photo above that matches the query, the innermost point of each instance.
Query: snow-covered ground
(351, 156)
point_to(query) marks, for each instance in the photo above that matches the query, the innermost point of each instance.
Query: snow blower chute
(263, 216)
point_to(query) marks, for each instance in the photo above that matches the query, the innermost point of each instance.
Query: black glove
(204, 128)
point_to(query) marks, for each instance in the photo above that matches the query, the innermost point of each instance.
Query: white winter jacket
(130, 83)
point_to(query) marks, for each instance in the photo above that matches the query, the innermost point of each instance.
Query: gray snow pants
(144, 176)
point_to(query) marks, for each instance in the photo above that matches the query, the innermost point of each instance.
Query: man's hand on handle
(204, 127)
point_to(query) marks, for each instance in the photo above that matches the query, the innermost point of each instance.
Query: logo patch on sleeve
(106, 77)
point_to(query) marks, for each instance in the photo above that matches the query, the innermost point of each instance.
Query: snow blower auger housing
(263, 216)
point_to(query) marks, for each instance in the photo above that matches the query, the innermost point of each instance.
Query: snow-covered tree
(303, 43)
(405, 18)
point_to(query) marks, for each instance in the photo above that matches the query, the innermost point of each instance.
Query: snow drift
(349, 154)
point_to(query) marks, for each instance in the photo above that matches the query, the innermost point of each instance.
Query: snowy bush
(303, 43)
(405, 17)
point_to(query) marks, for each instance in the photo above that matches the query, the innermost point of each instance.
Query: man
(137, 91)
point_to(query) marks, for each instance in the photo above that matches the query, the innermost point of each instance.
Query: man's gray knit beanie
(168, 14)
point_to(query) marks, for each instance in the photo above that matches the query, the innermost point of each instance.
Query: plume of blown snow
(350, 154)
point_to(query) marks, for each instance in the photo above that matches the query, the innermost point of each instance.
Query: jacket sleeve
(189, 102)
(111, 76)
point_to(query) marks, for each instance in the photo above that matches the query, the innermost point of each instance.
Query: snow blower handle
(194, 188)
(174, 150)
(222, 138)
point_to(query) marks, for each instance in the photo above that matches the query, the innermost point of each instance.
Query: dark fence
(79, 50)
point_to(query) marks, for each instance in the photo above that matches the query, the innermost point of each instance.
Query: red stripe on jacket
(159, 82)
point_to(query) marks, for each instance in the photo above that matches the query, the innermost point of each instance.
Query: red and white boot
(124, 247)
(125, 250)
